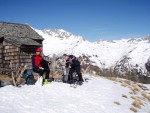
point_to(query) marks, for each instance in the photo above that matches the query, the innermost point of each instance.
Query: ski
(39, 81)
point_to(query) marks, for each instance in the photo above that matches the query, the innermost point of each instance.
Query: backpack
(44, 64)
(28, 76)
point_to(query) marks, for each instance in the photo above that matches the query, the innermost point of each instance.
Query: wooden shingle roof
(21, 41)
(20, 34)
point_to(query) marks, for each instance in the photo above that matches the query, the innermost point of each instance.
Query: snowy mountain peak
(103, 41)
(58, 41)
(147, 38)
(60, 33)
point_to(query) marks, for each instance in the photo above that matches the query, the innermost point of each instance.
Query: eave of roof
(19, 41)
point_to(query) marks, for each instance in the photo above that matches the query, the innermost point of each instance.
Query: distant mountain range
(114, 54)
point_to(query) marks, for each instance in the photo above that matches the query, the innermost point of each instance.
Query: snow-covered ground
(96, 96)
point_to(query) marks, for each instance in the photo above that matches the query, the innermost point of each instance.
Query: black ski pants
(41, 72)
(77, 70)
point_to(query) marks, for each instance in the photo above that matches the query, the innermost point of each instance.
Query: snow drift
(99, 95)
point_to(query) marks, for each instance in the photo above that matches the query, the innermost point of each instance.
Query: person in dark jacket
(40, 65)
(74, 66)
(147, 65)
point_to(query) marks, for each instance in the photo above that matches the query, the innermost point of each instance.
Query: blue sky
(92, 19)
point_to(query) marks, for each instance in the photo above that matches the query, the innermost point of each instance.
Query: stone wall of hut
(15, 54)
(26, 53)
(9, 53)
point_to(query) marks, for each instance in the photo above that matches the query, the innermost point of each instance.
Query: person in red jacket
(40, 65)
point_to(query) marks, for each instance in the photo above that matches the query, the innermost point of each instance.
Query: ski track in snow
(96, 96)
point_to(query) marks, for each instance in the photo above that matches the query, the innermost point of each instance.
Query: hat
(39, 50)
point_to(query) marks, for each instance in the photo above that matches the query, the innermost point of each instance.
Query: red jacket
(36, 61)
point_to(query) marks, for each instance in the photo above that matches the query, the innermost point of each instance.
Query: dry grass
(134, 92)
(128, 82)
(136, 104)
(142, 98)
(5, 77)
(141, 103)
(137, 101)
(131, 93)
(56, 76)
(144, 94)
(143, 87)
(121, 81)
(20, 81)
(135, 87)
(124, 84)
(115, 82)
(133, 109)
(124, 96)
(134, 98)
(148, 97)
(117, 103)
(112, 78)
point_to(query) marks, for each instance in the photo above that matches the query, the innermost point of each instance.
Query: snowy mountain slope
(104, 54)
(97, 96)
(58, 41)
